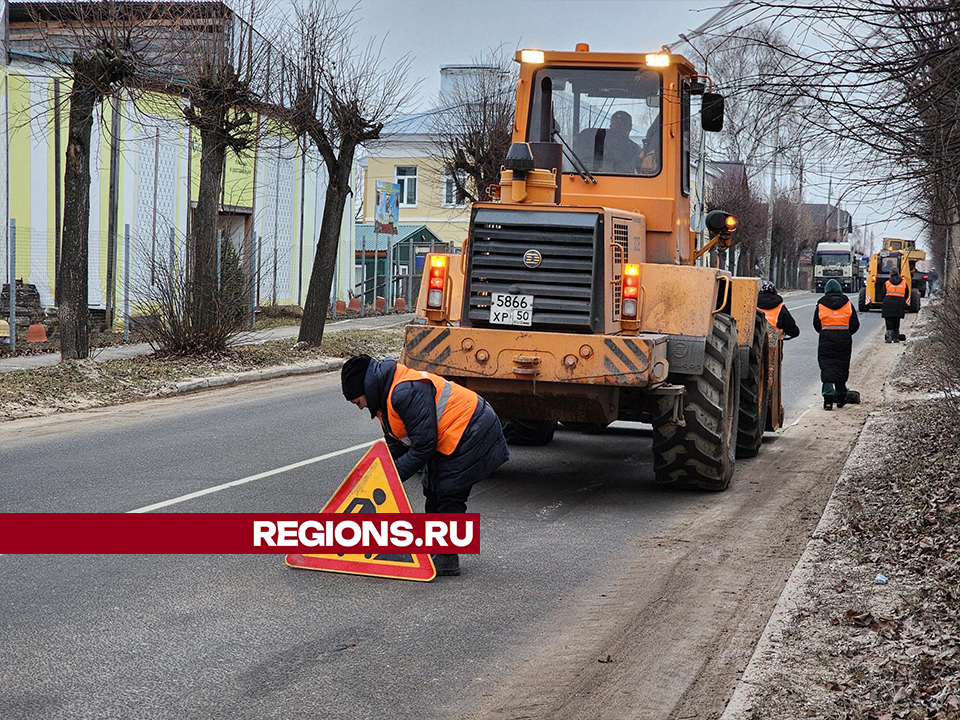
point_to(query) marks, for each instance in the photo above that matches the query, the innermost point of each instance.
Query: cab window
(607, 119)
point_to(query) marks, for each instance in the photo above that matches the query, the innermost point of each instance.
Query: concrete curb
(272, 373)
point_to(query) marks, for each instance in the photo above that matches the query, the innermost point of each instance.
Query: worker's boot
(446, 564)
(841, 399)
(888, 337)
(828, 402)
(896, 337)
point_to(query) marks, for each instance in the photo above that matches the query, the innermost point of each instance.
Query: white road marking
(244, 481)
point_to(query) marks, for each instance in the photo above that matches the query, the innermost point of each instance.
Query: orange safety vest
(773, 315)
(835, 319)
(899, 291)
(455, 407)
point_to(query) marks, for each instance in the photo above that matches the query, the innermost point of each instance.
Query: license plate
(507, 309)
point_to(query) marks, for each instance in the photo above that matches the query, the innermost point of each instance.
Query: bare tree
(341, 98)
(885, 78)
(224, 72)
(473, 124)
(733, 193)
(758, 125)
(98, 47)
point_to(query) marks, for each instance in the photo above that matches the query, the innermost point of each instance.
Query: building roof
(405, 233)
(825, 216)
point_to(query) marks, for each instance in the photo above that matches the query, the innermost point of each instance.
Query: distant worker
(430, 424)
(894, 305)
(836, 321)
(771, 303)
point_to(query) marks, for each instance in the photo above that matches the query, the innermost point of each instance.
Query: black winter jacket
(893, 307)
(835, 346)
(785, 322)
(481, 450)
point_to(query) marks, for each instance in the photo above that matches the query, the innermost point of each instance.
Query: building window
(407, 180)
(450, 188)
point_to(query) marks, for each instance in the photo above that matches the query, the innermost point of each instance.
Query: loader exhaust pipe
(546, 110)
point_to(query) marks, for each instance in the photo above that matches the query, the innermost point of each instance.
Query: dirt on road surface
(670, 637)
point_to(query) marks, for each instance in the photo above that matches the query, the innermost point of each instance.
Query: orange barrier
(36, 333)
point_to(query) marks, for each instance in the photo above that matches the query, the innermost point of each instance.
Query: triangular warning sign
(372, 486)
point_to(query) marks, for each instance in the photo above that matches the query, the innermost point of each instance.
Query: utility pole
(766, 271)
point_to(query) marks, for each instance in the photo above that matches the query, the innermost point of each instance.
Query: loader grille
(562, 285)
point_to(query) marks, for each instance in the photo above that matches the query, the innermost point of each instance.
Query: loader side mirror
(711, 112)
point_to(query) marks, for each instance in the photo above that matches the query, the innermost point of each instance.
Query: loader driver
(620, 154)
(433, 425)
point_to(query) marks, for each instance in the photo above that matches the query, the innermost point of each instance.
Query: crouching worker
(431, 424)
(836, 321)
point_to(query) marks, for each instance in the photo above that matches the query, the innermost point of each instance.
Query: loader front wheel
(702, 452)
(862, 301)
(529, 432)
(753, 394)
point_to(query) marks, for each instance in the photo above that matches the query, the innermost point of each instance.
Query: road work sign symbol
(372, 486)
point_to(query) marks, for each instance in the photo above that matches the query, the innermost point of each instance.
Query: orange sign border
(424, 572)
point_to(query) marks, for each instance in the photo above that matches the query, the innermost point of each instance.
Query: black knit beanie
(352, 375)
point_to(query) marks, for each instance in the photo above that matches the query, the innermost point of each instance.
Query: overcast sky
(449, 32)
(446, 32)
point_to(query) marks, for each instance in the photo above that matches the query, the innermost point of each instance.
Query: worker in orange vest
(894, 305)
(432, 425)
(771, 304)
(836, 321)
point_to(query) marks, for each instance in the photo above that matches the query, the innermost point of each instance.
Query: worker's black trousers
(893, 324)
(439, 502)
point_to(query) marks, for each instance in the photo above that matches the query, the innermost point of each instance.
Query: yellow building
(427, 193)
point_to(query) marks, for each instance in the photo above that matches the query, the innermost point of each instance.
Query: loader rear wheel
(753, 394)
(914, 301)
(529, 432)
(862, 303)
(702, 452)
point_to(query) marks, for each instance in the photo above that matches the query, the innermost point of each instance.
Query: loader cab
(623, 125)
(886, 263)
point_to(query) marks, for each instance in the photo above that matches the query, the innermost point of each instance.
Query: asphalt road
(247, 637)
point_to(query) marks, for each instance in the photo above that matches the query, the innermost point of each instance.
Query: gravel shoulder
(866, 626)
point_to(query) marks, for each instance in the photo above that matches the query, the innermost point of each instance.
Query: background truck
(836, 261)
(577, 297)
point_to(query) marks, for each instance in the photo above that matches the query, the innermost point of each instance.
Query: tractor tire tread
(695, 454)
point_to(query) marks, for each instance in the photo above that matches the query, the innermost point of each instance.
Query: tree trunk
(206, 224)
(73, 315)
(321, 277)
(951, 265)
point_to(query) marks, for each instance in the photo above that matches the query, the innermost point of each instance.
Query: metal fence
(124, 272)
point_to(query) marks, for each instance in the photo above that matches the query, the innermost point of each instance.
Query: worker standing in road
(431, 424)
(771, 303)
(894, 305)
(836, 321)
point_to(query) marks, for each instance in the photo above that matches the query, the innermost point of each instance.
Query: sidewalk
(255, 337)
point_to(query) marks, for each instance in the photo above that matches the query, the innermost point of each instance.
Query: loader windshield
(608, 118)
